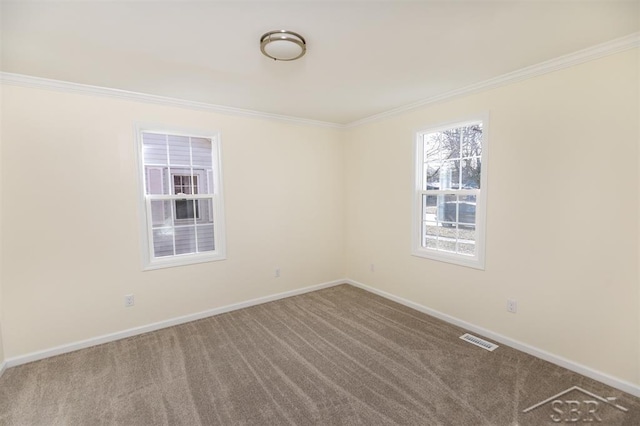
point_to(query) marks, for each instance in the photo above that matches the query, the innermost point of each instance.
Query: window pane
(186, 184)
(205, 238)
(431, 146)
(185, 239)
(429, 203)
(432, 175)
(163, 242)
(449, 230)
(177, 184)
(468, 249)
(193, 185)
(449, 237)
(467, 234)
(447, 208)
(471, 173)
(449, 144)
(467, 209)
(156, 180)
(201, 151)
(160, 213)
(154, 149)
(449, 176)
(472, 141)
(208, 189)
(179, 151)
(204, 209)
(454, 229)
(466, 240)
(447, 245)
(185, 209)
(431, 243)
(431, 229)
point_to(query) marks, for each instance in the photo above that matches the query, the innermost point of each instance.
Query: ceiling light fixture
(283, 45)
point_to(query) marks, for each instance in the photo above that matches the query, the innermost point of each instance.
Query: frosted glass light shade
(283, 45)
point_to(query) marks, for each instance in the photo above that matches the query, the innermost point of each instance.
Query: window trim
(477, 261)
(145, 224)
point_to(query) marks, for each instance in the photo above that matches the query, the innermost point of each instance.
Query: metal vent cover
(478, 342)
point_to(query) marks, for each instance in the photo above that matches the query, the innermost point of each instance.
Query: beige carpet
(335, 356)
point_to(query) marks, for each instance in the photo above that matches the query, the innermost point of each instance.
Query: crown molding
(585, 55)
(86, 89)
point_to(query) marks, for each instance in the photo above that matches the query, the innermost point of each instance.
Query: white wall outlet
(129, 300)
(277, 273)
(372, 267)
(512, 305)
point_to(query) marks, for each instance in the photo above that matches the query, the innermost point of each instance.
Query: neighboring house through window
(182, 196)
(450, 193)
(185, 184)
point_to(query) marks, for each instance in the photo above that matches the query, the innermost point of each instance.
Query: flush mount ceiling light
(283, 45)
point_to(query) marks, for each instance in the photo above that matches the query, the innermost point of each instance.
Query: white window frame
(478, 260)
(149, 262)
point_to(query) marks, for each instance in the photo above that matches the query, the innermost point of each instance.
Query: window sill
(182, 260)
(467, 261)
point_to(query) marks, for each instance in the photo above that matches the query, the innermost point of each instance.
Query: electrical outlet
(277, 273)
(512, 306)
(129, 301)
(372, 267)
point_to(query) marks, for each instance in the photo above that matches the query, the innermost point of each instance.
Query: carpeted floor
(336, 356)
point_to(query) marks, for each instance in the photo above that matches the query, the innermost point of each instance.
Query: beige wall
(1, 346)
(2, 357)
(71, 220)
(322, 204)
(562, 218)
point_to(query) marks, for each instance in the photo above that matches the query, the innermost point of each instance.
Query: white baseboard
(555, 359)
(607, 379)
(71, 347)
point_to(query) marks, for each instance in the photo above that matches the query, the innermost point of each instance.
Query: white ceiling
(363, 57)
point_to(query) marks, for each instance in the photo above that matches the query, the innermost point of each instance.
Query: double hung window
(182, 198)
(449, 200)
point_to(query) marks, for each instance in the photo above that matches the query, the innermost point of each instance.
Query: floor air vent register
(478, 342)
